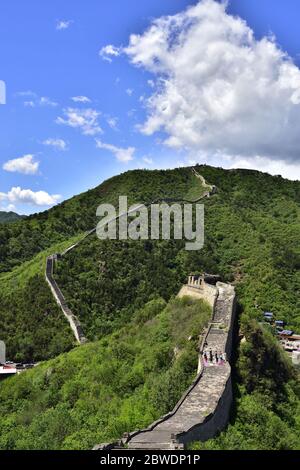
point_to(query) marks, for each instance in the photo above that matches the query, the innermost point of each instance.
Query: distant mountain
(6, 217)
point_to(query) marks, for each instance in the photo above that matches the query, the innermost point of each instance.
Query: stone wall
(60, 299)
(220, 333)
(214, 423)
(205, 292)
(204, 409)
(73, 320)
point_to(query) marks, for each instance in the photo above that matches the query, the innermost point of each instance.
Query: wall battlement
(204, 409)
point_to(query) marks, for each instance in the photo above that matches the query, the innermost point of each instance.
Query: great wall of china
(52, 259)
(204, 409)
(59, 297)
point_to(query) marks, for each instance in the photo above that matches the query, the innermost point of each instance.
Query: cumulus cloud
(124, 155)
(7, 208)
(27, 196)
(84, 119)
(25, 165)
(63, 24)
(219, 90)
(267, 165)
(58, 144)
(109, 51)
(81, 99)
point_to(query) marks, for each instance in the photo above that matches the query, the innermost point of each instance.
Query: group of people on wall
(215, 358)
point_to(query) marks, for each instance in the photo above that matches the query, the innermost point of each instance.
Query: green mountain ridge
(252, 231)
(6, 217)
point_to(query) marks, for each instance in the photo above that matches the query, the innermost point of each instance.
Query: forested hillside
(20, 241)
(6, 217)
(22, 321)
(97, 392)
(252, 232)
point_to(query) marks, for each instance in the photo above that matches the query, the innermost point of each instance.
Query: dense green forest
(252, 232)
(6, 217)
(20, 241)
(97, 392)
(31, 323)
(49, 232)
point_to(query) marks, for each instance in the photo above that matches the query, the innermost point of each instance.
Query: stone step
(150, 445)
(156, 435)
(201, 401)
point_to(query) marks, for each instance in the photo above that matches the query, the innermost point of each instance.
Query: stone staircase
(199, 404)
(204, 409)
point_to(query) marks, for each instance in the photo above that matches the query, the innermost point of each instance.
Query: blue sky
(74, 117)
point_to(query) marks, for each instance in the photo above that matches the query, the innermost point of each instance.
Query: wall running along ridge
(204, 409)
(58, 295)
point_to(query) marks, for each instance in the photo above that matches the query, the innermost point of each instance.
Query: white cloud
(35, 99)
(29, 104)
(7, 208)
(148, 160)
(26, 93)
(25, 165)
(131, 112)
(129, 91)
(58, 144)
(63, 24)
(109, 51)
(2, 92)
(84, 119)
(217, 88)
(273, 167)
(81, 99)
(27, 196)
(45, 101)
(112, 122)
(122, 154)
